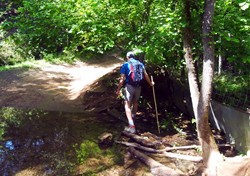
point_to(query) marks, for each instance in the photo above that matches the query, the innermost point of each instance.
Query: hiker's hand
(118, 92)
(152, 83)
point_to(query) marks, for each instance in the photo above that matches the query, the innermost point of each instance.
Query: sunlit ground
(51, 86)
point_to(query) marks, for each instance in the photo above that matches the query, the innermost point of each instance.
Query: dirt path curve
(52, 87)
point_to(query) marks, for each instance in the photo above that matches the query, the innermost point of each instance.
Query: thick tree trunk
(201, 99)
(210, 150)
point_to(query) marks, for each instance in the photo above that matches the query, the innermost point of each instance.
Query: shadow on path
(53, 87)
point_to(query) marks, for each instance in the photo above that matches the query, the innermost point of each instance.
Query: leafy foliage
(232, 90)
(232, 26)
(230, 83)
(10, 53)
(83, 28)
(8, 117)
(14, 118)
(155, 27)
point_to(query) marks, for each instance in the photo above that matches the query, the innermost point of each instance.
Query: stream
(47, 144)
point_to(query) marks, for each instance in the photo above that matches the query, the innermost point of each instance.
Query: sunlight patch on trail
(53, 87)
(84, 77)
(81, 75)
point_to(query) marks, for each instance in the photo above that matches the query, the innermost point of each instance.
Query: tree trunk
(187, 47)
(210, 150)
(215, 164)
(201, 99)
(219, 64)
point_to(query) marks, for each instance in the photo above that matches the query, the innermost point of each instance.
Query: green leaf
(244, 5)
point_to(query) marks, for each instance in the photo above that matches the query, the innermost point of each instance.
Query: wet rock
(105, 140)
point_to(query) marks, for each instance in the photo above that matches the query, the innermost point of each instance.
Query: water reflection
(4, 148)
(9, 145)
(48, 143)
(2, 153)
(14, 153)
(38, 143)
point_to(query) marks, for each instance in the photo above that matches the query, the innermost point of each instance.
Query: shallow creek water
(47, 144)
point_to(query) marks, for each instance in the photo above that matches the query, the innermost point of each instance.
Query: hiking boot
(130, 129)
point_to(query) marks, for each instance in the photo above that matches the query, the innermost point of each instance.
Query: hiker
(132, 89)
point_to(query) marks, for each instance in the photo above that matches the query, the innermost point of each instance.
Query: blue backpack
(136, 74)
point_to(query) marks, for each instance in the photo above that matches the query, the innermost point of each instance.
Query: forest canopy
(204, 45)
(86, 28)
(95, 26)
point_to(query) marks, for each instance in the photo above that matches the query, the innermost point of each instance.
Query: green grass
(60, 58)
(25, 64)
(49, 58)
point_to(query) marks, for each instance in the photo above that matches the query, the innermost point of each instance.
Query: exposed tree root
(156, 168)
(163, 151)
(144, 140)
(223, 166)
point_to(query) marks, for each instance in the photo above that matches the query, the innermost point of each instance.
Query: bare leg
(129, 113)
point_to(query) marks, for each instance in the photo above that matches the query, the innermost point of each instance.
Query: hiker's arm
(151, 83)
(121, 81)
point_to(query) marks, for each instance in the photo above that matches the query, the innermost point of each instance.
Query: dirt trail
(52, 87)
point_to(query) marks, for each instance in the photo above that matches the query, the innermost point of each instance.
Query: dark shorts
(132, 93)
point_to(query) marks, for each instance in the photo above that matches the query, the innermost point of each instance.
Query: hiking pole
(156, 112)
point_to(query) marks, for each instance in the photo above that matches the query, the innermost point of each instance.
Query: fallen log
(148, 134)
(163, 152)
(156, 168)
(182, 147)
(144, 140)
(163, 149)
(183, 157)
(138, 146)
